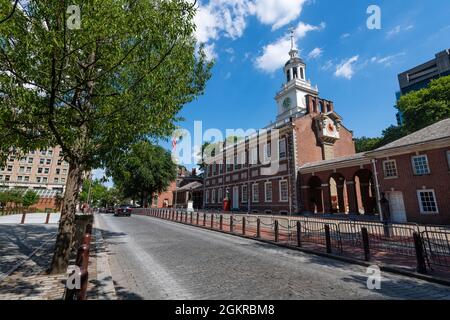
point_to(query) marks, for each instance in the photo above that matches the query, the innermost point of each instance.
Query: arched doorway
(315, 199)
(365, 192)
(338, 193)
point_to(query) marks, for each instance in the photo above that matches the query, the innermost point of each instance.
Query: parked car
(110, 210)
(123, 210)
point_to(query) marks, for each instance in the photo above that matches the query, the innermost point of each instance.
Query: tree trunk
(66, 230)
(145, 195)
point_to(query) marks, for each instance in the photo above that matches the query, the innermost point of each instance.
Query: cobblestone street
(155, 259)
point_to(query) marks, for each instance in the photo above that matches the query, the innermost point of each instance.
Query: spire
(294, 51)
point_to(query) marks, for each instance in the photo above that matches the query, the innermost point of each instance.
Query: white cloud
(315, 53)
(388, 60)
(346, 68)
(327, 66)
(210, 51)
(278, 13)
(397, 30)
(275, 54)
(345, 35)
(228, 18)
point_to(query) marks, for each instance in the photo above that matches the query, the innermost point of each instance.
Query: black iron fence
(412, 245)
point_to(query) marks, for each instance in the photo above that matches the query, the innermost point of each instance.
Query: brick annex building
(319, 171)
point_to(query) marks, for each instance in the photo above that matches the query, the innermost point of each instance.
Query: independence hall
(318, 170)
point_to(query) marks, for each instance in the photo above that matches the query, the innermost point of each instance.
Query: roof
(193, 185)
(357, 156)
(437, 131)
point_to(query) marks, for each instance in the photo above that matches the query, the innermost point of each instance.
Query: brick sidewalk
(31, 282)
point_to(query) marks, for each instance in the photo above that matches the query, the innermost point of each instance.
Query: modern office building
(420, 76)
(43, 171)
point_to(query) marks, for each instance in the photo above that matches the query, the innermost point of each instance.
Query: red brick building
(318, 170)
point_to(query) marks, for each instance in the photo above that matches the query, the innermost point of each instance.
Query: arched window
(295, 73)
(288, 76)
(314, 106)
(302, 73)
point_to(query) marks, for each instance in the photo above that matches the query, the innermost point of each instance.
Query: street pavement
(157, 259)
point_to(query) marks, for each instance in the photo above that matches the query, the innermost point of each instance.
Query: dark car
(123, 210)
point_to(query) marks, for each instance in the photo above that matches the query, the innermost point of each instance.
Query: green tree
(123, 76)
(143, 171)
(30, 198)
(93, 191)
(364, 144)
(424, 107)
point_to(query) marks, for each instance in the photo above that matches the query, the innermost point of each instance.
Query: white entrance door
(397, 206)
(236, 197)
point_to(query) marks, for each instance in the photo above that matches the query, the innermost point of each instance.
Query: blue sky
(241, 91)
(353, 66)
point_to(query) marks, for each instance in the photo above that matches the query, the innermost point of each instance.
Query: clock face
(330, 128)
(287, 103)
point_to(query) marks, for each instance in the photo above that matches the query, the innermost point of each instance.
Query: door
(236, 197)
(397, 206)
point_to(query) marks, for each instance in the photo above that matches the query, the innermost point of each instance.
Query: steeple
(294, 51)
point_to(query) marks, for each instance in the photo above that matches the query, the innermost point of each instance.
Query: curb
(104, 286)
(383, 267)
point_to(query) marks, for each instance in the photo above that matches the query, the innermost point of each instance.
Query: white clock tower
(291, 99)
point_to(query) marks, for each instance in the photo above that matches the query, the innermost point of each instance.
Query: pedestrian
(385, 210)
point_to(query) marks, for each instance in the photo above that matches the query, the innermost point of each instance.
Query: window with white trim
(255, 192)
(420, 165)
(282, 147)
(427, 201)
(284, 193)
(390, 168)
(207, 196)
(214, 169)
(220, 168)
(268, 191)
(244, 196)
(213, 196)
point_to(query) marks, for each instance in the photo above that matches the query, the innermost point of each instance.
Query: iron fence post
(204, 219)
(221, 222)
(231, 224)
(328, 238)
(212, 220)
(276, 231)
(366, 243)
(299, 235)
(243, 226)
(258, 228)
(420, 255)
(192, 217)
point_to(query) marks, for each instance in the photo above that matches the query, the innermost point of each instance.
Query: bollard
(198, 216)
(328, 238)
(177, 216)
(231, 224)
(420, 256)
(23, 218)
(212, 221)
(221, 222)
(185, 218)
(299, 234)
(192, 217)
(276, 231)
(204, 219)
(243, 226)
(258, 228)
(366, 244)
(47, 219)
